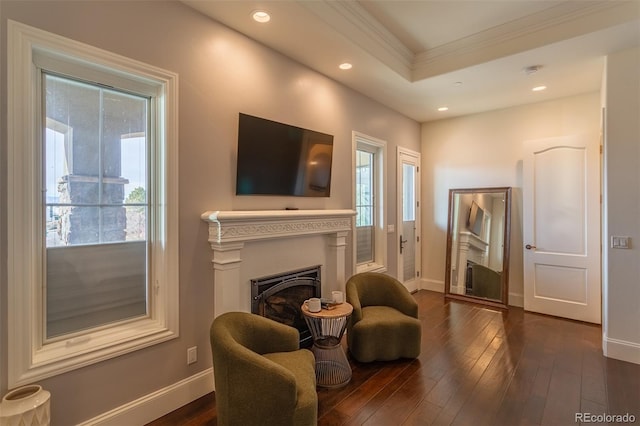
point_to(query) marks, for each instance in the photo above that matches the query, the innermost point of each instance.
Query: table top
(335, 311)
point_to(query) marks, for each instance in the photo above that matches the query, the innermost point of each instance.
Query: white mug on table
(314, 304)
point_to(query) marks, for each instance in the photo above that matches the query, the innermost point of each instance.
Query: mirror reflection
(478, 245)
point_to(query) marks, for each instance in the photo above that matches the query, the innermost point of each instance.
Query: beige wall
(621, 301)
(486, 150)
(221, 73)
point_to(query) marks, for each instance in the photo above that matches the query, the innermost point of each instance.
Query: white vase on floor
(28, 405)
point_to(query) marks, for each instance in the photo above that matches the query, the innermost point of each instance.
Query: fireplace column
(336, 268)
(226, 276)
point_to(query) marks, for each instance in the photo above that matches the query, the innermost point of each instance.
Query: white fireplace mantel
(248, 225)
(230, 230)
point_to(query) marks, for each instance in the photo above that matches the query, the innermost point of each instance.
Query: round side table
(327, 328)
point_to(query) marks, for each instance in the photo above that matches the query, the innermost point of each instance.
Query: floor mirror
(478, 235)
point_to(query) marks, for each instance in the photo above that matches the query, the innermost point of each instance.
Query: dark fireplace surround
(280, 297)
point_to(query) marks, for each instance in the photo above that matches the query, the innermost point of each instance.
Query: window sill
(370, 267)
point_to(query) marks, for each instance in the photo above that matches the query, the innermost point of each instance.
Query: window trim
(28, 358)
(378, 147)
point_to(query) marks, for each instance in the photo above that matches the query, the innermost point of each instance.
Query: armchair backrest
(253, 332)
(376, 289)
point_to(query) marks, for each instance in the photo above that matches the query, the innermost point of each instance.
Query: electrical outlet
(192, 355)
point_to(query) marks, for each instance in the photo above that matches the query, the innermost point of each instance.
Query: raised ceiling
(470, 56)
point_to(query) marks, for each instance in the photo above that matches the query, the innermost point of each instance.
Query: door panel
(560, 200)
(562, 228)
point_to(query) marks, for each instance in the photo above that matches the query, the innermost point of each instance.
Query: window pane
(96, 155)
(89, 286)
(96, 205)
(408, 198)
(364, 188)
(364, 207)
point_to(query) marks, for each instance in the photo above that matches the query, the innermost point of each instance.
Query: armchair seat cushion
(385, 334)
(302, 364)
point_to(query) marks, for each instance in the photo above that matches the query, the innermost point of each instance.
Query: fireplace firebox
(279, 297)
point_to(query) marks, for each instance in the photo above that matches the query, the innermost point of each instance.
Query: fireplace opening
(280, 297)
(468, 283)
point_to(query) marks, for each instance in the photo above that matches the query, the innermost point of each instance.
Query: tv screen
(476, 219)
(279, 159)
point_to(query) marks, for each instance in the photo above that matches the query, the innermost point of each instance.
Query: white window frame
(29, 358)
(378, 147)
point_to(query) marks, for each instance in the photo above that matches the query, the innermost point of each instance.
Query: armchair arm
(354, 299)
(403, 301)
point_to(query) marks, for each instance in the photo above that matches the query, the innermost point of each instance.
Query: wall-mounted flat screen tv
(476, 219)
(280, 159)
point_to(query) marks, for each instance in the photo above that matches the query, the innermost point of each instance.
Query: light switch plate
(192, 355)
(620, 242)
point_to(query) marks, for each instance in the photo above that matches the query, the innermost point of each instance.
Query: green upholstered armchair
(486, 282)
(261, 375)
(384, 325)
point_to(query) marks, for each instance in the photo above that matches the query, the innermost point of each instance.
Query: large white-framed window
(369, 171)
(93, 207)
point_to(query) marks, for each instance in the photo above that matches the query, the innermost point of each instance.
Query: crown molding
(560, 22)
(357, 25)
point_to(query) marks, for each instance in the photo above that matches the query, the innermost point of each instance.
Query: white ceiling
(416, 56)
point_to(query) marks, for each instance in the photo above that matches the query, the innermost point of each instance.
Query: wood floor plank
(477, 366)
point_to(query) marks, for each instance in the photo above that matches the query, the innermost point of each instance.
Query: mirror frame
(504, 302)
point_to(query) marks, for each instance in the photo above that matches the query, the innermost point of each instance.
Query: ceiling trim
(554, 24)
(357, 25)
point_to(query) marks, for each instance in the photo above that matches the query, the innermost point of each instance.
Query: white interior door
(561, 200)
(408, 218)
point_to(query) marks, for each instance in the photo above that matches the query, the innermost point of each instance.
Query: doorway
(408, 218)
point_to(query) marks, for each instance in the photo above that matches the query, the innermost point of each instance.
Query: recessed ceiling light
(532, 69)
(457, 83)
(261, 16)
(345, 66)
(539, 88)
(442, 109)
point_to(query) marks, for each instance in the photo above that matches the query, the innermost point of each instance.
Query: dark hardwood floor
(478, 366)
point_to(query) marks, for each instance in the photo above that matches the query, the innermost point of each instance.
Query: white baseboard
(620, 349)
(516, 299)
(157, 404)
(432, 285)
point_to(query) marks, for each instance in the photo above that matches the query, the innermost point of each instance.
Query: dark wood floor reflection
(478, 366)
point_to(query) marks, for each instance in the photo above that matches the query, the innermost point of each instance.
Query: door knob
(529, 247)
(402, 243)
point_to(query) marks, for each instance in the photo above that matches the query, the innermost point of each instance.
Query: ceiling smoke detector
(532, 69)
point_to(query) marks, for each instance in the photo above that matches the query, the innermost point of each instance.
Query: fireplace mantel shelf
(248, 225)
